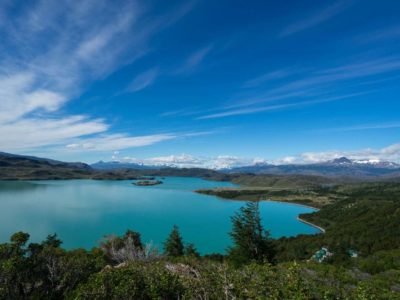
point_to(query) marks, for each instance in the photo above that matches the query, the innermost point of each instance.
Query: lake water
(81, 212)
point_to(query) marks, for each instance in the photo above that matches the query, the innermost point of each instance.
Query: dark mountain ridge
(14, 167)
(20, 167)
(8, 159)
(337, 168)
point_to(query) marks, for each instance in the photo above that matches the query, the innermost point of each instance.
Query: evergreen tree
(251, 241)
(136, 238)
(190, 250)
(52, 241)
(19, 239)
(173, 246)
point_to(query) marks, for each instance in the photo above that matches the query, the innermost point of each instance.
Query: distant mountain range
(21, 167)
(29, 167)
(338, 167)
(112, 165)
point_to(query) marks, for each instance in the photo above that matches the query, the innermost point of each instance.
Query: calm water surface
(81, 212)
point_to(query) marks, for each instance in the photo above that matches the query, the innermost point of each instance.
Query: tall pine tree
(251, 241)
(173, 246)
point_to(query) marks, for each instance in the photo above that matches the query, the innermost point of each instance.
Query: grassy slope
(308, 190)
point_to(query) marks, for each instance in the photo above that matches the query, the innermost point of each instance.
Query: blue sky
(199, 81)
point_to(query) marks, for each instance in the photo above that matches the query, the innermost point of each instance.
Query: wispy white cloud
(173, 113)
(315, 19)
(30, 133)
(143, 80)
(116, 142)
(94, 44)
(184, 112)
(63, 43)
(363, 127)
(258, 109)
(148, 77)
(318, 78)
(362, 69)
(19, 96)
(387, 33)
(269, 76)
(310, 89)
(246, 111)
(274, 95)
(53, 49)
(194, 60)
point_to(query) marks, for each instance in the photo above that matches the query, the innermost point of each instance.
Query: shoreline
(322, 230)
(206, 192)
(294, 203)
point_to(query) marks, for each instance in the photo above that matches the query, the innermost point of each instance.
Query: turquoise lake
(81, 212)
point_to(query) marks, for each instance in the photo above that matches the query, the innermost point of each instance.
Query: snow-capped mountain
(112, 165)
(370, 162)
(341, 166)
(222, 162)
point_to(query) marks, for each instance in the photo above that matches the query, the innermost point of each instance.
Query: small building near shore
(352, 253)
(321, 254)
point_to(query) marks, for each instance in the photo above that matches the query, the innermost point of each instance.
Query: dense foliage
(366, 219)
(45, 271)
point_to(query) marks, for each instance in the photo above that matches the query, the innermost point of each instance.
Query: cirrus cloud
(51, 50)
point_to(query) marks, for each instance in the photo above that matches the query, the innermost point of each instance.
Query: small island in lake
(147, 182)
